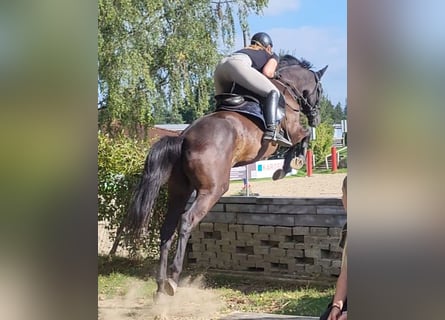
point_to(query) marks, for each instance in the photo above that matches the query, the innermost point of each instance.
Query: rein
(294, 92)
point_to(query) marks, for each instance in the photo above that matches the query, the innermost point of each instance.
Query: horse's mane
(288, 60)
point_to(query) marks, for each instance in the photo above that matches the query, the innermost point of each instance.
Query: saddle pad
(247, 108)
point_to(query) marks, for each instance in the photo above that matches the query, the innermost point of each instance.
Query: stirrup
(276, 138)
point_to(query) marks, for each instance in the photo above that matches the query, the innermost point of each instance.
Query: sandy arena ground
(316, 186)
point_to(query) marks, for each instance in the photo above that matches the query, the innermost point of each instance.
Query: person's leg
(270, 114)
(221, 77)
(273, 132)
(241, 72)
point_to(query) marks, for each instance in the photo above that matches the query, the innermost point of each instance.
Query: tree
(326, 110)
(322, 144)
(338, 114)
(156, 58)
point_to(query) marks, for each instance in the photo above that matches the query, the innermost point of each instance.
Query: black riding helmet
(263, 38)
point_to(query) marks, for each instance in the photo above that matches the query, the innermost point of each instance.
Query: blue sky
(312, 29)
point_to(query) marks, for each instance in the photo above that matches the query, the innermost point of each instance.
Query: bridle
(302, 101)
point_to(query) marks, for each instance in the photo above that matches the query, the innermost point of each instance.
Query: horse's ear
(321, 72)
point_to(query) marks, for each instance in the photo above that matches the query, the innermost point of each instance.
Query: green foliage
(120, 164)
(326, 111)
(329, 113)
(156, 58)
(324, 139)
(321, 146)
(338, 114)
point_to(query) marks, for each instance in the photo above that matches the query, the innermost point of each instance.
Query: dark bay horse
(200, 160)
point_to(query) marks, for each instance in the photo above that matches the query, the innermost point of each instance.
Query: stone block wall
(284, 237)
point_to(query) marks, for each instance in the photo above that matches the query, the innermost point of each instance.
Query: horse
(200, 159)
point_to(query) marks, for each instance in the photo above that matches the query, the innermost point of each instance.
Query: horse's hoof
(170, 287)
(278, 174)
(297, 163)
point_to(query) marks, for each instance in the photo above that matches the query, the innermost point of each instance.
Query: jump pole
(334, 158)
(309, 163)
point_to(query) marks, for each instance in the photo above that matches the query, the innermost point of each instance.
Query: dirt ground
(316, 186)
(191, 302)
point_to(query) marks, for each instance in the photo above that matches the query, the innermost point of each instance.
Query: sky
(312, 29)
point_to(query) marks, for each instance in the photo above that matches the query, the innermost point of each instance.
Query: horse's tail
(157, 169)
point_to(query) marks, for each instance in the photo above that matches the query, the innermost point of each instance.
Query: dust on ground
(190, 300)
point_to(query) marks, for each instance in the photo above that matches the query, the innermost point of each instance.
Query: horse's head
(303, 85)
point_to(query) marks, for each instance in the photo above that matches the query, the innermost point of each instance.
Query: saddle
(233, 99)
(246, 105)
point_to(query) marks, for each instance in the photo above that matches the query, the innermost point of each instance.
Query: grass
(251, 295)
(118, 285)
(328, 171)
(118, 275)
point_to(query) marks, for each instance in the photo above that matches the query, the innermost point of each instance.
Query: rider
(251, 68)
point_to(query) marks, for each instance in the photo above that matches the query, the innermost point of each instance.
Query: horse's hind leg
(204, 201)
(178, 194)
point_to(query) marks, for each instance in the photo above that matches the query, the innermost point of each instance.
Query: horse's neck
(291, 121)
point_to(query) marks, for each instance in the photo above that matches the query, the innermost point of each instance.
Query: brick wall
(284, 237)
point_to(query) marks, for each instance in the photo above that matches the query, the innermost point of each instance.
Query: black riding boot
(270, 113)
